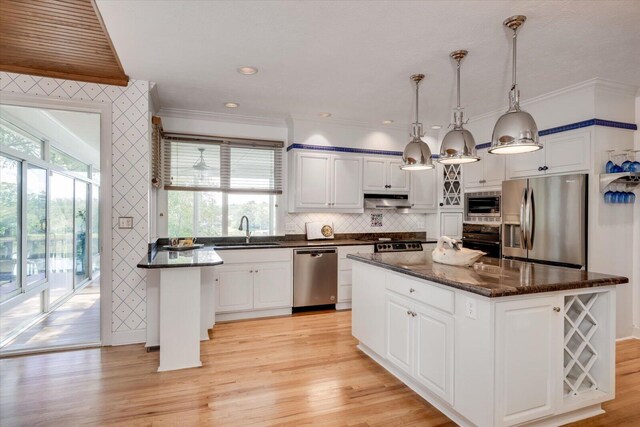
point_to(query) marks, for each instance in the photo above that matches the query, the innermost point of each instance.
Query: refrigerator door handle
(523, 220)
(531, 219)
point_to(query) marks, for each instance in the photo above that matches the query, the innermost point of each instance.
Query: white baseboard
(139, 336)
(224, 317)
(636, 333)
(343, 305)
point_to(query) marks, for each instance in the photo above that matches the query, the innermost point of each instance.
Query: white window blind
(202, 163)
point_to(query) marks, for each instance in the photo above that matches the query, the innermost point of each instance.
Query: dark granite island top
(202, 257)
(490, 277)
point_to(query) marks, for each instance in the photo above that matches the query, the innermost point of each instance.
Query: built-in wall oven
(483, 237)
(484, 206)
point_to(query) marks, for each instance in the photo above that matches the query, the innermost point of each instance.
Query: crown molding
(611, 85)
(346, 122)
(221, 117)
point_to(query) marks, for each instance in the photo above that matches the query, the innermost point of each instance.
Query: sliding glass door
(81, 218)
(10, 195)
(36, 225)
(61, 237)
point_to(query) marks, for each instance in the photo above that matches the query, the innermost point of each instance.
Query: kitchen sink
(247, 245)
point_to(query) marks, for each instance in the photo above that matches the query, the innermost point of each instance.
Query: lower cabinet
(243, 287)
(345, 273)
(421, 343)
(528, 358)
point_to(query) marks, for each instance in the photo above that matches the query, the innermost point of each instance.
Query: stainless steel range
(398, 246)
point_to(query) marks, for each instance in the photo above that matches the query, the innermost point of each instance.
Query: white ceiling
(354, 58)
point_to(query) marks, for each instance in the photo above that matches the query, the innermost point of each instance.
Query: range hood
(396, 202)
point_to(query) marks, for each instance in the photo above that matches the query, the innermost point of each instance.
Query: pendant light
(417, 154)
(515, 131)
(458, 145)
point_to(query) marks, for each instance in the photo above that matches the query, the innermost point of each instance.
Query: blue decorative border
(344, 149)
(577, 125)
(349, 150)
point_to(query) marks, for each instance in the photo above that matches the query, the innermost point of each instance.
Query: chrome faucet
(248, 235)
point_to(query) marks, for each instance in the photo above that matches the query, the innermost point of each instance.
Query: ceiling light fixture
(231, 104)
(324, 115)
(417, 154)
(458, 145)
(515, 131)
(247, 71)
(387, 122)
(436, 127)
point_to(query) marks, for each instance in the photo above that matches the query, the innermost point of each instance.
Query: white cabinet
(420, 342)
(399, 324)
(383, 175)
(345, 272)
(528, 358)
(451, 224)
(244, 288)
(562, 153)
(272, 285)
(234, 288)
(423, 194)
(326, 182)
(489, 172)
(368, 307)
(434, 351)
(253, 287)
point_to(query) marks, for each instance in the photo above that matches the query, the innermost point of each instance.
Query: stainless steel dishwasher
(315, 277)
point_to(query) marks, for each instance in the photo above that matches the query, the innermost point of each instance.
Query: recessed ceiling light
(324, 115)
(387, 122)
(436, 127)
(231, 104)
(246, 70)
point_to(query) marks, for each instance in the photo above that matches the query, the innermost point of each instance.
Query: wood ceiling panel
(58, 38)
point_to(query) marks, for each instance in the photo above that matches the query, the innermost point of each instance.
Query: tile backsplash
(359, 223)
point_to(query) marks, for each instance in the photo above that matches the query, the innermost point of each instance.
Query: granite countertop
(490, 277)
(308, 243)
(202, 257)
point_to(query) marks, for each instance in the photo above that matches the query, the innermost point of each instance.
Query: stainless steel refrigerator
(545, 220)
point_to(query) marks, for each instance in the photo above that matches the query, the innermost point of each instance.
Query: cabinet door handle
(540, 168)
(250, 271)
(556, 309)
(256, 271)
(411, 290)
(546, 168)
(408, 312)
(413, 314)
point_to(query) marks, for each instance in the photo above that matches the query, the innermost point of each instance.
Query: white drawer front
(424, 292)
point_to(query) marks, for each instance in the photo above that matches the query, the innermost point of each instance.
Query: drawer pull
(411, 290)
(556, 309)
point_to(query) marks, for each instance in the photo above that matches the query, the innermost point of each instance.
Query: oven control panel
(398, 246)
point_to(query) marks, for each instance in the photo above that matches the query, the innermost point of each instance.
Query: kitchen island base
(544, 358)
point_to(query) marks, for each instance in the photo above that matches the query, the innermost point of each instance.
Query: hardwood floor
(287, 371)
(75, 322)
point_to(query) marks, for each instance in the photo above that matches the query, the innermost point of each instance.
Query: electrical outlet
(125, 222)
(470, 309)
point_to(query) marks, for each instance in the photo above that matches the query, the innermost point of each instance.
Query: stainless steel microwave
(482, 205)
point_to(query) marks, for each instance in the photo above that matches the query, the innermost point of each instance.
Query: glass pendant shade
(458, 145)
(515, 131)
(417, 154)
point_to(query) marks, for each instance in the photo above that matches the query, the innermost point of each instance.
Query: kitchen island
(181, 325)
(500, 343)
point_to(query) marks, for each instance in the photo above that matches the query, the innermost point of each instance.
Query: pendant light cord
(417, 90)
(458, 82)
(515, 51)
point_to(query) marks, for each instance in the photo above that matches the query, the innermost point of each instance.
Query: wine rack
(580, 354)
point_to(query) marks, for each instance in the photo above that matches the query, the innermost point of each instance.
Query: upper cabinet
(325, 182)
(383, 175)
(562, 153)
(486, 174)
(423, 195)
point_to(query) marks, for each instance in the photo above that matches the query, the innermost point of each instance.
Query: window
(74, 166)
(213, 182)
(12, 137)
